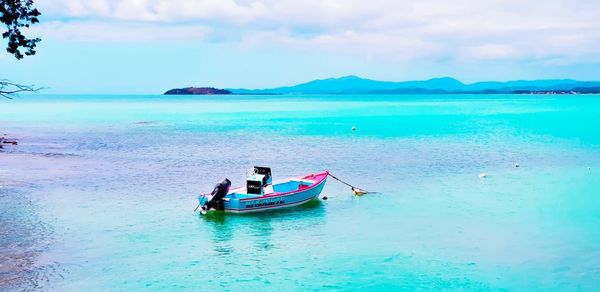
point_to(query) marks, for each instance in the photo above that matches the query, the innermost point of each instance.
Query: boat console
(266, 171)
(256, 183)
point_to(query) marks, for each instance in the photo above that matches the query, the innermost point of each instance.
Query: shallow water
(99, 193)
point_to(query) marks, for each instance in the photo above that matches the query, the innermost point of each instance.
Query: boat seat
(241, 194)
(305, 181)
(268, 189)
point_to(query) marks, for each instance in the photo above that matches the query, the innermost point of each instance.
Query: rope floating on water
(355, 190)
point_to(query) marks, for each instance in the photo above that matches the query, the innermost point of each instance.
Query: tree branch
(7, 88)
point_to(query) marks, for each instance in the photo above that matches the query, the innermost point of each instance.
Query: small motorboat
(261, 194)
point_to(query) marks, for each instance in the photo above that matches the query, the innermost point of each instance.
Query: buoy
(324, 198)
(353, 128)
(483, 175)
(358, 192)
(516, 165)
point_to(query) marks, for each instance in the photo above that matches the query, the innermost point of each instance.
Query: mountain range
(357, 85)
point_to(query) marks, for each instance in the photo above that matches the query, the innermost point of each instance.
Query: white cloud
(403, 30)
(124, 32)
(490, 52)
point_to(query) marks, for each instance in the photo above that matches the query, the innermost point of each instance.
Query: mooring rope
(356, 190)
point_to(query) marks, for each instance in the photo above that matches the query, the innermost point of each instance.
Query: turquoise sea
(99, 194)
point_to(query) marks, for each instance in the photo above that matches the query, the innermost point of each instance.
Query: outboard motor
(215, 199)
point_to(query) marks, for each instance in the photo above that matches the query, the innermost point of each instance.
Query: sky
(150, 46)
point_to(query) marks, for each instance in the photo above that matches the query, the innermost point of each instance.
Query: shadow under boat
(260, 224)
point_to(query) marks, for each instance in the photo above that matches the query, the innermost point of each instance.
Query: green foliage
(17, 14)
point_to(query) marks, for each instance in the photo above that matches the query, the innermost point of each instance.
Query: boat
(262, 194)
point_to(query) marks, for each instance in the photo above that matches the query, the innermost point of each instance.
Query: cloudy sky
(148, 46)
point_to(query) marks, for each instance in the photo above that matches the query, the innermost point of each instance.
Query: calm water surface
(99, 193)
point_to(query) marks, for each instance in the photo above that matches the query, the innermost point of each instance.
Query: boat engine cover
(217, 195)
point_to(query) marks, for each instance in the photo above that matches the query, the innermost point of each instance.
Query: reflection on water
(260, 224)
(222, 232)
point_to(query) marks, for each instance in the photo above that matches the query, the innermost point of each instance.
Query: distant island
(197, 90)
(444, 85)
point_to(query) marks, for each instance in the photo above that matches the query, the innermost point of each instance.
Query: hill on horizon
(354, 85)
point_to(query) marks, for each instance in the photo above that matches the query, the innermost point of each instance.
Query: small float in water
(261, 194)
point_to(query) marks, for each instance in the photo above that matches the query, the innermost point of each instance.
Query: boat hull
(274, 202)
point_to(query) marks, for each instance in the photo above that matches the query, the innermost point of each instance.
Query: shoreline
(518, 92)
